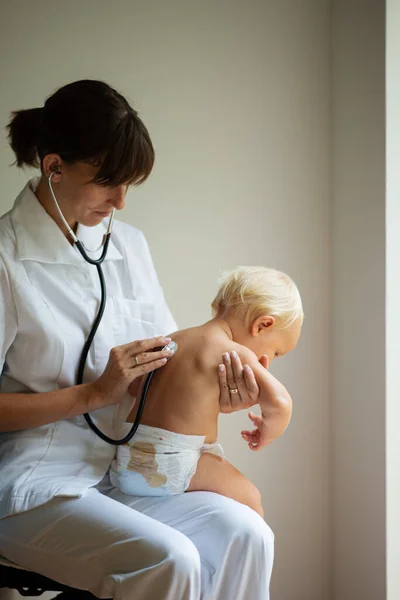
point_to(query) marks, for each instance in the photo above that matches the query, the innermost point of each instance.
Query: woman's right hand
(125, 364)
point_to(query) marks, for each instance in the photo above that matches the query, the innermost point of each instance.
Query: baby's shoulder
(212, 344)
(246, 355)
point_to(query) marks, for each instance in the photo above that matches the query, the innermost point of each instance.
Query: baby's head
(263, 309)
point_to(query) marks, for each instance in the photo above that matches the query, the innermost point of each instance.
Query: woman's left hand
(238, 385)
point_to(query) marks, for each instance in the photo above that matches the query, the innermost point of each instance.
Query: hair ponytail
(23, 135)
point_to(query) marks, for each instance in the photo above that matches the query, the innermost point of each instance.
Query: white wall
(393, 298)
(358, 310)
(236, 97)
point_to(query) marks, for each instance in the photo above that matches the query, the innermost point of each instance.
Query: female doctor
(59, 514)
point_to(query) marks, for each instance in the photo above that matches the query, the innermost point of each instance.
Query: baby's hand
(268, 428)
(258, 438)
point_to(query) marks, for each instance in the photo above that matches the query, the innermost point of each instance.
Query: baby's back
(184, 394)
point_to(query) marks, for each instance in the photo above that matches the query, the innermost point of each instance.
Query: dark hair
(85, 121)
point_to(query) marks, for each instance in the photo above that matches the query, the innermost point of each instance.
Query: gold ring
(233, 390)
(137, 361)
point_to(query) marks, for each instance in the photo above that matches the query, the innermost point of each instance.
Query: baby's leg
(215, 474)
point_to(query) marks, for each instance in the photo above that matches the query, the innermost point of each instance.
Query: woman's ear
(262, 325)
(52, 163)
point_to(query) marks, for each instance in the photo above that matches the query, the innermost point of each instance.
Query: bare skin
(184, 397)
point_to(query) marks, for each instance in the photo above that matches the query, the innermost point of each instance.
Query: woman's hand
(238, 385)
(127, 363)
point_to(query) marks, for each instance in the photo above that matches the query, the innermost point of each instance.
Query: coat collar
(39, 238)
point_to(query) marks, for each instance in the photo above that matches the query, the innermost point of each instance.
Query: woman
(59, 514)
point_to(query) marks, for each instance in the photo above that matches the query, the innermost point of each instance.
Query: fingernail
(234, 354)
(221, 368)
(167, 340)
(226, 355)
(247, 368)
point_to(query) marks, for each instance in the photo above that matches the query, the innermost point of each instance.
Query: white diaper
(157, 462)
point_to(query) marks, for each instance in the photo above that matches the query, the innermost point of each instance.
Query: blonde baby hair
(251, 292)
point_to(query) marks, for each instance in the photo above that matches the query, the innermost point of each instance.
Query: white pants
(201, 545)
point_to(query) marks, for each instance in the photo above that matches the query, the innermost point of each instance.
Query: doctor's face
(81, 200)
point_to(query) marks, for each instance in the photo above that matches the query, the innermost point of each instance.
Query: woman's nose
(118, 199)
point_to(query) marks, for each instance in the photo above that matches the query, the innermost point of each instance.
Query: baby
(257, 311)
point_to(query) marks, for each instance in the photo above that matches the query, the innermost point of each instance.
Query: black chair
(28, 583)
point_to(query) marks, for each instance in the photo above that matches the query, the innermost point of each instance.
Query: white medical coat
(49, 297)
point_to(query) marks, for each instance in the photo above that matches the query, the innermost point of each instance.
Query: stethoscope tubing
(82, 362)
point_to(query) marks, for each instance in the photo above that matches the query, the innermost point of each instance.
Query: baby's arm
(275, 403)
(215, 474)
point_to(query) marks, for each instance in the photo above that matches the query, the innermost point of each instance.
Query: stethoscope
(97, 262)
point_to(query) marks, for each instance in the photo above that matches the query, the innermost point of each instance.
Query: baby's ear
(262, 324)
